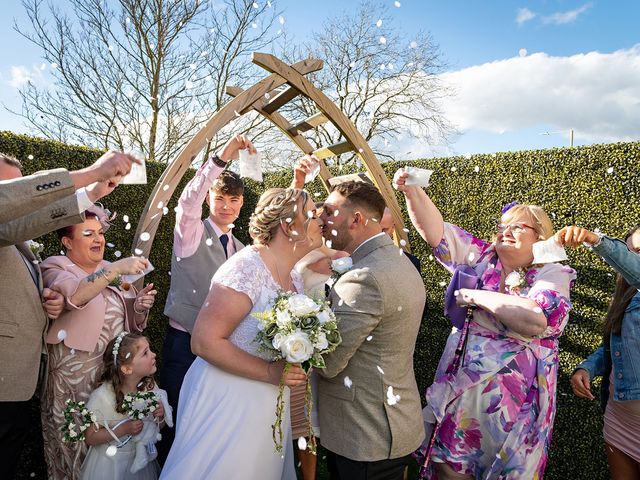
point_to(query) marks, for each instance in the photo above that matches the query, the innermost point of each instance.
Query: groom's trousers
(343, 468)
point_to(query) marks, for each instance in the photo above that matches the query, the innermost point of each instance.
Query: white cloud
(596, 94)
(20, 75)
(524, 15)
(561, 18)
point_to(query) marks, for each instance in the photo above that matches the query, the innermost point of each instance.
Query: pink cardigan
(83, 324)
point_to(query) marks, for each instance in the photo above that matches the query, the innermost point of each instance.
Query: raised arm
(424, 215)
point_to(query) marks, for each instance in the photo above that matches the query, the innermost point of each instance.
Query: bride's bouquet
(300, 330)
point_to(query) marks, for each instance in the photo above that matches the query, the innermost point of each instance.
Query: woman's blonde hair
(275, 206)
(540, 221)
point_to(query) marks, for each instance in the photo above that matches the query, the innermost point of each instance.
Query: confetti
(117, 254)
(369, 338)
(62, 334)
(379, 23)
(522, 52)
(30, 157)
(476, 168)
(110, 245)
(467, 156)
(406, 230)
(138, 251)
(309, 214)
(178, 259)
(231, 225)
(347, 382)
(144, 236)
(413, 44)
(471, 256)
(335, 214)
(160, 205)
(397, 4)
(537, 310)
(302, 443)
(165, 210)
(125, 218)
(610, 170)
(254, 25)
(442, 284)
(255, 4)
(288, 220)
(54, 65)
(110, 48)
(403, 243)
(383, 40)
(453, 169)
(380, 369)
(334, 233)
(341, 302)
(400, 308)
(209, 242)
(127, 226)
(392, 398)
(165, 187)
(328, 243)
(281, 20)
(188, 84)
(127, 355)
(111, 450)
(295, 233)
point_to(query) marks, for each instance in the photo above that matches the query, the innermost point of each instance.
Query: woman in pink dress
(96, 311)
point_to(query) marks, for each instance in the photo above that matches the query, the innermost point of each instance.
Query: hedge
(593, 186)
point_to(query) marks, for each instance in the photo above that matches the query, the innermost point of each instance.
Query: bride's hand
(295, 374)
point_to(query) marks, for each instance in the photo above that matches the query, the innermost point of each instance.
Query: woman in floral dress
(492, 405)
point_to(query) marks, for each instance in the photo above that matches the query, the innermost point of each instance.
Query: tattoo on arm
(97, 274)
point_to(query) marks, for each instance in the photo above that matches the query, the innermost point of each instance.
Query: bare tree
(139, 74)
(386, 83)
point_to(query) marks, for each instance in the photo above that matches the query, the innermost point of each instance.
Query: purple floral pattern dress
(495, 414)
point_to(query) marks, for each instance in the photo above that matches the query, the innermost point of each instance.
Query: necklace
(275, 263)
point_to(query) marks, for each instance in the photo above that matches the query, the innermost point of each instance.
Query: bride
(228, 398)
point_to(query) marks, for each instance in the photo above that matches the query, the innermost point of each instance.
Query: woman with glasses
(491, 407)
(97, 308)
(617, 360)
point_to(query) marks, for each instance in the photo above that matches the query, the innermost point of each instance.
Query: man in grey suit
(369, 406)
(29, 207)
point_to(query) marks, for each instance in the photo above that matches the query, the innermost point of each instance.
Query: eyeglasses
(516, 227)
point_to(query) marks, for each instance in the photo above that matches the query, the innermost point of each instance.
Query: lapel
(30, 258)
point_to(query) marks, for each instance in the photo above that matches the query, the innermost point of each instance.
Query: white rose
(283, 318)
(297, 347)
(139, 404)
(83, 428)
(73, 434)
(342, 265)
(94, 419)
(324, 316)
(277, 340)
(513, 279)
(321, 342)
(300, 304)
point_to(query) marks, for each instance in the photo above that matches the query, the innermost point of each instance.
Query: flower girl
(123, 394)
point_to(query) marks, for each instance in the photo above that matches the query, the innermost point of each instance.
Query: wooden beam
(333, 150)
(282, 98)
(308, 123)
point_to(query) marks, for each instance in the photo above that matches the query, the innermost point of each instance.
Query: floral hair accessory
(116, 347)
(104, 215)
(508, 207)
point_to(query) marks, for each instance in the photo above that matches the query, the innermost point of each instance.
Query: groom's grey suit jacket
(379, 305)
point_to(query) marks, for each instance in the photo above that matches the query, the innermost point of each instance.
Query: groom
(369, 406)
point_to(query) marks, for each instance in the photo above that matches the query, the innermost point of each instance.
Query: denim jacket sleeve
(594, 363)
(616, 253)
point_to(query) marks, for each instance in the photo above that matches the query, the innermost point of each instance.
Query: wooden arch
(255, 98)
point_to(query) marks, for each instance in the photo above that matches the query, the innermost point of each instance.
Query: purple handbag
(463, 277)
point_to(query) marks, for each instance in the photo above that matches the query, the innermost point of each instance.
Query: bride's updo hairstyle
(275, 207)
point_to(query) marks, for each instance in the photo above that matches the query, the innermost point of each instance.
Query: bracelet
(218, 161)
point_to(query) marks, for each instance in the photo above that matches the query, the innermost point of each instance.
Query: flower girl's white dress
(223, 427)
(97, 464)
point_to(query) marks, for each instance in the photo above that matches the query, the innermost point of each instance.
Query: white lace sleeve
(244, 273)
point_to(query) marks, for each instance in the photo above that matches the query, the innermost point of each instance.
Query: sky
(524, 73)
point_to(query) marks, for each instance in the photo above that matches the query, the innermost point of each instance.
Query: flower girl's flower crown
(116, 347)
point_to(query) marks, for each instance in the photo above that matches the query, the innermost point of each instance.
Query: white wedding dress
(223, 427)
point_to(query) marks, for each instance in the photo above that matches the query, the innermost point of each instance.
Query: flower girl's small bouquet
(139, 405)
(77, 418)
(300, 330)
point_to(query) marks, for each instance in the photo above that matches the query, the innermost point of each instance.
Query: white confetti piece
(54, 65)
(138, 251)
(127, 226)
(110, 48)
(255, 4)
(392, 398)
(400, 308)
(126, 357)
(610, 170)
(328, 243)
(369, 338)
(302, 443)
(397, 4)
(522, 52)
(62, 334)
(413, 44)
(334, 233)
(380, 369)
(117, 254)
(209, 242)
(406, 230)
(467, 156)
(30, 157)
(309, 214)
(165, 187)
(111, 450)
(294, 233)
(383, 40)
(471, 256)
(476, 168)
(455, 293)
(231, 225)
(340, 302)
(379, 23)
(165, 210)
(288, 220)
(110, 245)
(430, 257)
(537, 310)
(178, 259)
(188, 84)
(160, 205)
(442, 284)
(403, 243)
(125, 218)
(194, 291)
(254, 25)
(281, 20)
(400, 252)
(347, 382)
(145, 236)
